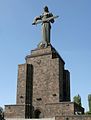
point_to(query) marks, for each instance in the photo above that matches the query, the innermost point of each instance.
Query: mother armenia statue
(46, 19)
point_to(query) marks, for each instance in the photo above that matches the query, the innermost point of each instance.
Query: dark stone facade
(43, 88)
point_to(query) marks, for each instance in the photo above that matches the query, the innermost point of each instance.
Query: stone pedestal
(43, 85)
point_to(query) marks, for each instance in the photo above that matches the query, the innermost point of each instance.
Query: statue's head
(46, 9)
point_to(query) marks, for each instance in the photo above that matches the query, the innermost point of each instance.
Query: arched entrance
(38, 114)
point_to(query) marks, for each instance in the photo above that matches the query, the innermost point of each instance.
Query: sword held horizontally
(45, 20)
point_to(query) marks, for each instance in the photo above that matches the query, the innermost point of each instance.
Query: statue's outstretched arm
(36, 19)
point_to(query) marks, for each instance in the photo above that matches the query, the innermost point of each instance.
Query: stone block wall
(14, 111)
(41, 82)
(48, 68)
(73, 117)
(21, 84)
(57, 109)
(62, 108)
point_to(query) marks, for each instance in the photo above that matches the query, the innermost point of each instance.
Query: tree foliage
(89, 102)
(1, 114)
(77, 99)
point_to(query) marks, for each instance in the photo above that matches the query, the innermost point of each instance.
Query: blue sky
(70, 35)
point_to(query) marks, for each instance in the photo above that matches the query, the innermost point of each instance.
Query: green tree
(89, 102)
(1, 114)
(77, 99)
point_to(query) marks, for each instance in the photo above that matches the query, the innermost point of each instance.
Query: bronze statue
(46, 18)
